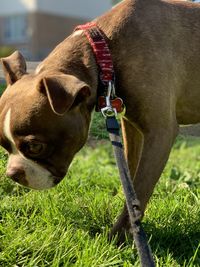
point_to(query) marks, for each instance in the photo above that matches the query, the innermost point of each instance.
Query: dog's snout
(17, 175)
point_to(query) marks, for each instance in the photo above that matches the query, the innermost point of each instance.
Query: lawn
(68, 225)
(1, 89)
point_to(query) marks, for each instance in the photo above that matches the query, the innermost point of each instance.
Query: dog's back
(155, 47)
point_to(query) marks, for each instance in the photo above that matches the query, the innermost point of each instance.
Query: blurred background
(35, 27)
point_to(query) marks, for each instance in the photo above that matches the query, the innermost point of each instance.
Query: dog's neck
(72, 56)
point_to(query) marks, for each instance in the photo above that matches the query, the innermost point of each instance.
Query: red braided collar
(97, 40)
(101, 50)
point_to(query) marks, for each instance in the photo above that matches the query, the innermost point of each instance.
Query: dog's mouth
(57, 176)
(57, 179)
(32, 174)
(25, 181)
(31, 178)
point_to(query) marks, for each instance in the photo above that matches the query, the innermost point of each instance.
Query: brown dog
(45, 116)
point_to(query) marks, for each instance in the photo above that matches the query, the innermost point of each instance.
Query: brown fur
(155, 49)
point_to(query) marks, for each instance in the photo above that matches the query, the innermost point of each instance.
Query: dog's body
(45, 116)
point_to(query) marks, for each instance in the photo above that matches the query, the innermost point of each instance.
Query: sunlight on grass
(69, 224)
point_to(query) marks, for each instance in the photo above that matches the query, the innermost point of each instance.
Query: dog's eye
(35, 148)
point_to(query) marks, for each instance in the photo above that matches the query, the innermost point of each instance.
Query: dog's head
(44, 121)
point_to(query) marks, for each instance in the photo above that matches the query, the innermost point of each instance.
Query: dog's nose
(17, 175)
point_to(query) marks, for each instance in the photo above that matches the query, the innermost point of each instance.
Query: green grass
(68, 225)
(2, 87)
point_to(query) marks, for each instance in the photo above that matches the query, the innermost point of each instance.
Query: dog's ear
(63, 92)
(14, 67)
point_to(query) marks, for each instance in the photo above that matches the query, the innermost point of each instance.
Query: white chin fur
(36, 176)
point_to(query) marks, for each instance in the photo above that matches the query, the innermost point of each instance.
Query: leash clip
(108, 110)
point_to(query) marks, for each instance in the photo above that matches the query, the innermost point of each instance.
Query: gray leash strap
(132, 202)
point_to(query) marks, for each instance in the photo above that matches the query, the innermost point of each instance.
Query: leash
(132, 201)
(110, 105)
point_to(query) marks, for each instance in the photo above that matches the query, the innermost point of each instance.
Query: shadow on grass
(182, 246)
(175, 241)
(179, 242)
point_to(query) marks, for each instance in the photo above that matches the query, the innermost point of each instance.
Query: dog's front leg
(147, 153)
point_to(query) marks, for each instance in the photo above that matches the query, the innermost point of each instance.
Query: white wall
(87, 9)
